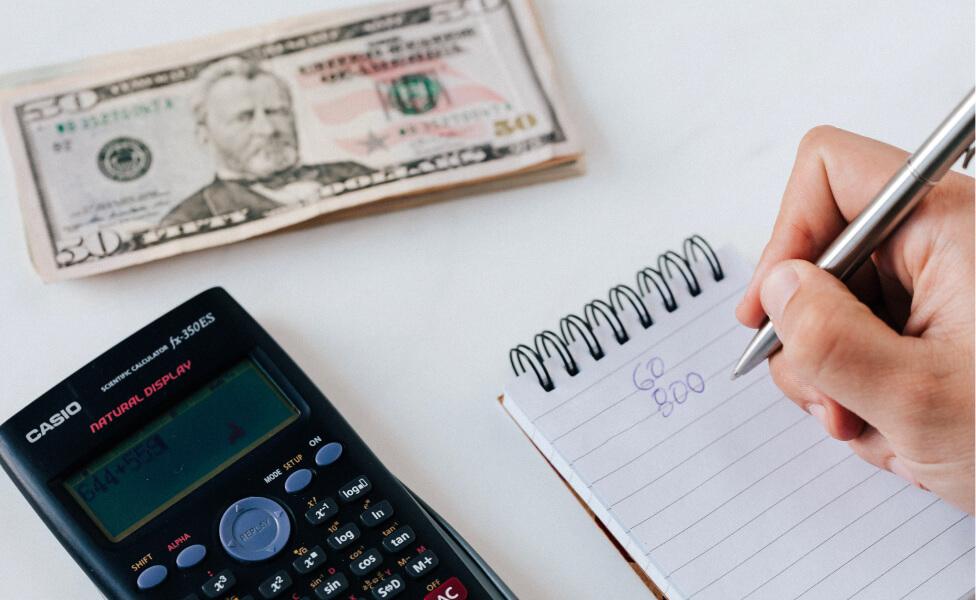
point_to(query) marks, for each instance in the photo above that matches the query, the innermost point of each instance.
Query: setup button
(254, 529)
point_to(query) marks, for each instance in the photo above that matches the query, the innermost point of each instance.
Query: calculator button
(328, 454)
(422, 564)
(452, 588)
(325, 509)
(399, 538)
(314, 559)
(254, 529)
(190, 556)
(151, 577)
(298, 481)
(332, 587)
(389, 588)
(191, 597)
(218, 584)
(354, 489)
(376, 514)
(368, 561)
(275, 585)
(343, 536)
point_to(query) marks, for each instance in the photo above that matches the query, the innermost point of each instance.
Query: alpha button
(190, 556)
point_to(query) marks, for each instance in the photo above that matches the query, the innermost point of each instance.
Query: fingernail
(818, 411)
(898, 468)
(777, 289)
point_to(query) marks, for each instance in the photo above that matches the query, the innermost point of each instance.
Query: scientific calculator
(195, 460)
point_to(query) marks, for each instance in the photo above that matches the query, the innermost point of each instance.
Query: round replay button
(254, 529)
(328, 454)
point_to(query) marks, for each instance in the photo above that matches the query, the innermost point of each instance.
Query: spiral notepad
(718, 488)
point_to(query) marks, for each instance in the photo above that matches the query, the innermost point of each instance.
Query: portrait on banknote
(244, 116)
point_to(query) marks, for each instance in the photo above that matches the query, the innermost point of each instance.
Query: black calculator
(195, 460)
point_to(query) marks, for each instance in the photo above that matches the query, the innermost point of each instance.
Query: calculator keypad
(356, 548)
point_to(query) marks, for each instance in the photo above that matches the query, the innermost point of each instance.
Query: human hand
(886, 365)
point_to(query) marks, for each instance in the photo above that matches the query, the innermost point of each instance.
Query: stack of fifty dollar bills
(129, 158)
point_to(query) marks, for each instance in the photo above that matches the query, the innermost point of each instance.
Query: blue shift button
(254, 529)
(328, 454)
(190, 556)
(298, 481)
(151, 577)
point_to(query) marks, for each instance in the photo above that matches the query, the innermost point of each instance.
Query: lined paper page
(722, 489)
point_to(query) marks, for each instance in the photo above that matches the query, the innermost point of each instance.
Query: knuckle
(816, 138)
(817, 338)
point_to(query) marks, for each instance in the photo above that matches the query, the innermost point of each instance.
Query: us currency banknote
(138, 156)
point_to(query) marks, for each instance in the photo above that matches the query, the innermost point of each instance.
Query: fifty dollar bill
(138, 156)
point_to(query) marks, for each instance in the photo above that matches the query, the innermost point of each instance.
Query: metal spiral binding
(620, 298)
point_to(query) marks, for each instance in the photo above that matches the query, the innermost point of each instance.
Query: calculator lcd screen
(181, 450)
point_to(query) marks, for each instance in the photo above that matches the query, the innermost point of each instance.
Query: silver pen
(902, 193)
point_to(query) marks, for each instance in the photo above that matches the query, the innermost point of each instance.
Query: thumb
(834, 342)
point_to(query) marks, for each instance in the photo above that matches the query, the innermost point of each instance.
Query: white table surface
(690, 114)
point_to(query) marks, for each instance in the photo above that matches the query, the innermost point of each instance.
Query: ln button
(376, 514)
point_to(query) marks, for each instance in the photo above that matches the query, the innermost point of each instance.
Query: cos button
(254, 529)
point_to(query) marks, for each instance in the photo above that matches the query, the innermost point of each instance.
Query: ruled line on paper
(749, 487)
(723, 469)
(939, 572)
(832, 536)
(767, 440)
(767, 509)
(689, 424)
(875, 542)
(910, 554)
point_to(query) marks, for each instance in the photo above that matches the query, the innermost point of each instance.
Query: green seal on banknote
(124, 159)
(415, 94)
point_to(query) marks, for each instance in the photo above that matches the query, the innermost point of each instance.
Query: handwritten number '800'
(671, 394)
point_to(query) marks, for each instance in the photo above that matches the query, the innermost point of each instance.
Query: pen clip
(967, 156)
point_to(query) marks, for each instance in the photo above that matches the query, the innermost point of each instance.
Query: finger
(837, 421)
(875, 449)
(835, 175)
(835, 343)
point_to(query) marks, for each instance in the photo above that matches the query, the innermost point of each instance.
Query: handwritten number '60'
(654, 368)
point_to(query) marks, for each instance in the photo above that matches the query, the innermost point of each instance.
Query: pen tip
(735, 375)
